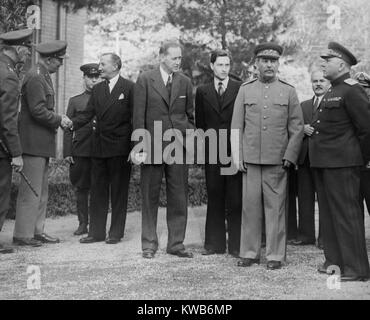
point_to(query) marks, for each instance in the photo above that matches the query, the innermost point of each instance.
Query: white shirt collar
(112, 82)
(225, 82)
(320, 98)
(164, 75)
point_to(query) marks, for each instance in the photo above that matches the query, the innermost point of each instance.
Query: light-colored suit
(270, 123)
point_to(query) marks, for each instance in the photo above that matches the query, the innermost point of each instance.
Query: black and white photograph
(184, 154)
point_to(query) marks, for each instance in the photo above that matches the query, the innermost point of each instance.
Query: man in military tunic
(341, 130)
(38, 124)
(269, 124)
(77, 147)
(14, 50)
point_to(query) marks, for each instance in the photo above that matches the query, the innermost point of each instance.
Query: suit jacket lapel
(174, 88)
(159, 86)
(229, 94)
(114, 95)
(211, 96)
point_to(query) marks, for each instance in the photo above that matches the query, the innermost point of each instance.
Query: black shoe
(208, 252)
(181, 253)
(148, 254)
(44, 238)
(344, 278)
(247, 262)
(27, 242)
(273, 265)
(302, 243)
(112, 240)
(89, 240)
(5, 250)
(235, 253)
(324, 269)
(291, 241)
(82, 229)
(320, 245)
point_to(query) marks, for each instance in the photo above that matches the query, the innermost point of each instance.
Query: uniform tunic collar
(4, 58)
(340, 79)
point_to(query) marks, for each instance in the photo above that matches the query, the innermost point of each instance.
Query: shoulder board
(248, 82)
(10, 68)
(78, 95)
(351, 81)
(282, 81)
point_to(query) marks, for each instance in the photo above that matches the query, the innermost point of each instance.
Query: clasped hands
(66, 123)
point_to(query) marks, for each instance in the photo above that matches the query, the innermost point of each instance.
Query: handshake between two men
(66, 123)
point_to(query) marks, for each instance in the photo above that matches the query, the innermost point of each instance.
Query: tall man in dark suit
(341, 128)
(38, 124)
(306, 182)
(214, 103)
(111, 102)
(77, 147)
(164, 95)
(14, 49)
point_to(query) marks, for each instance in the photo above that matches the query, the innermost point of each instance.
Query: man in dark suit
(164, 96)
(14, 49)
(341, 132)
(77, 147)
(214, 103)
(38, 124)
(111, 102)
(306, 182)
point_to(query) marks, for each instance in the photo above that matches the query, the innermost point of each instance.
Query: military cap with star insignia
(337, 50)
(90, 69)
(53, 49)
(363, 79)
(268, 50)
(17, 38)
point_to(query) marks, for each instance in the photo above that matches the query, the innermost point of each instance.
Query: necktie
(316, 104)
(220, 89)
(107, 89)
(169, 84)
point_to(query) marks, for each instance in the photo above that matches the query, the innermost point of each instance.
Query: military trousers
(31, 210)
(264, 194)
(343, 230)
(5, 187)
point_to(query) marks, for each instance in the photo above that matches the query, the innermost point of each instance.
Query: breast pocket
(333, 111)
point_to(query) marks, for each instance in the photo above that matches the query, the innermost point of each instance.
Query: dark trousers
(224, 202)
(5, 187)
(306, 204)
(365, 190)
(110, 176)
(80, 176)
(176, 176)
(292, 203)
(343, 233)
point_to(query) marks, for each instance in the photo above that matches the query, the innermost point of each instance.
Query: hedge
(62, 199)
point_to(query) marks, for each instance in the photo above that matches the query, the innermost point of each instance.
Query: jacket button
(318, 121)
(264, 128)
(265, 97)
(320, 110)
(264, 117)
(265, 107)
(317, 132)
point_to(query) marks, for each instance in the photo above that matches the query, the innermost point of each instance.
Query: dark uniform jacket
(38, 122)
(211, 112)
(9, 94)
(113, 113)
(79, 142)
(341, 126)
(307, 110)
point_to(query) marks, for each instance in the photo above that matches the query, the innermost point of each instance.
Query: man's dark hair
(169, 44)
(219, 53)
(115, 59)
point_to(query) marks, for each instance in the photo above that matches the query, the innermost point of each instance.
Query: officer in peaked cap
(269, 118)
(77, 146)
(337, 150)
(14, 49)
(38, 124)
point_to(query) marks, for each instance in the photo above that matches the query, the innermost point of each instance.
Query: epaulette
(10, 68)
(77, 95)
(286, 83)
(351, 81)
(250, 81)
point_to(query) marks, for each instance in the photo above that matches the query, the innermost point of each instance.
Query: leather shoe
(182, 253)
(247, 262)
(148, 254)
(324, 269)
(89, 240)
(208, 252)
(44, 238)
(112, 240)
(82, 229)
(344, 278)
(5, 250)
(302, 243)
(27, 242)
(272, 265)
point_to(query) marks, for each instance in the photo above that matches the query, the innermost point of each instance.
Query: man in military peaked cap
(269, 124)
(337, 150)
(77, 146)
(38, 124)
(14, 49)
